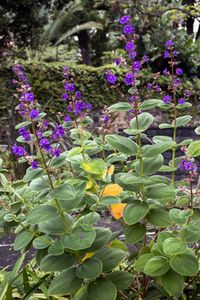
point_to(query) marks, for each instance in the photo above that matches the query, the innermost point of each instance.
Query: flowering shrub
(159, 216)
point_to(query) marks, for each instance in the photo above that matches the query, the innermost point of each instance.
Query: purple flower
(181, 101)
(187, 93)
(175, 53)
(20, 151)
(177, 82)
(105, 119)
(167, 98)
(129, 78)
(59, 131)
(179, 71)
(168, 43)
(129, 46)
(148, 86)
(165, 71)
(13, 81)
(45, 123)
(57, 152)
(125, 19)
(34, 113)
(69, 108)
(79, 105)
(48, 147)
(137, 65)
(43, 142)
(40, 133)
(71, 87)
(157, 87)
(22, 131)
(78, 95)
(89, 106)
(110, 77)
(117, 61)
(132, 54)
(64, 96)
(65, 69)
(128, 29)
(132, 99)
(188, 165)
(34, 165)
(182, 164)
(146, 59)
(166, 54)
(67, 118)
(27, 137)
(15, 149)
(19, 67)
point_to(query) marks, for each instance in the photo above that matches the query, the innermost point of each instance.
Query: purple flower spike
(57, 152)
(111, 77)
(125, 19)
(78, 95)
(166, 54)
(129, 46)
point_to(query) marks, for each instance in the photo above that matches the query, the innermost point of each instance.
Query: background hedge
(46, 80)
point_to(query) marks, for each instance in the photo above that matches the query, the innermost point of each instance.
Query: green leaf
(40, 244)
(165, 125)
(132, 91)
(23, 124)
(185, 264)
(162, 236)
(94, 219)
(120, 279)
(111, 257)
(74, 151)
(122, 144)
(134, 211)
(194, 226)
(65, 283)
(147, 104)
(22, 240)
(194, 148)
(131, 178)
(78, 238)
(103, 236)
(58, 161)
(3, 180)
(150, 164)
(159, 218)
(156, 149)
(52, 263)
(57, 227)
(102, 288)
(42, 213)
(64, 191)
(94, 166)
(32, 174)
(160, 191)
(126, 186)
(110, 200)
(189, 236)
(184, 105)
(172, 282)
(143, 123)
(182, 121)
(42, 184)
(56, 248)
(156, 266)
(90, 268)
(81, 294)
(172, 246)
(135, 233)
(174, 215)
(41, 116)
(142, 261)
(122, 106)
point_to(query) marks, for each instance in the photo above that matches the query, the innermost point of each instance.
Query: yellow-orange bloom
(117, 210)
(112, 190)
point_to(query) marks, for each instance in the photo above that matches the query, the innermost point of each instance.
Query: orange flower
(112, 190)
(117, 210)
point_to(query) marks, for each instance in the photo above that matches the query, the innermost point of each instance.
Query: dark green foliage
(46, 81)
